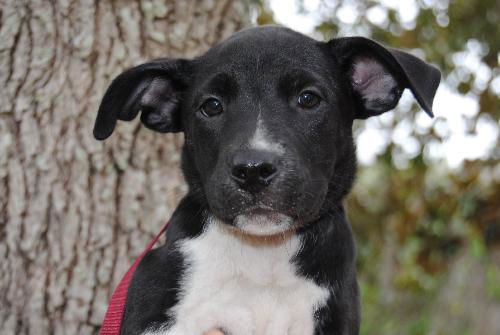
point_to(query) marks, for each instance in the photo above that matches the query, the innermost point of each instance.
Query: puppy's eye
(308, 99)
(211, 107)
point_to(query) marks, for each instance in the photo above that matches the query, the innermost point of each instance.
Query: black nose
(253, 170)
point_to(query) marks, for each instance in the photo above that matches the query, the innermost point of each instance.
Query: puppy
(260, 244)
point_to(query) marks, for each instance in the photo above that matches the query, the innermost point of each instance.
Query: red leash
(114, 315)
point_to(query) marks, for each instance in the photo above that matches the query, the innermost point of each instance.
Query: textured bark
(75, 212)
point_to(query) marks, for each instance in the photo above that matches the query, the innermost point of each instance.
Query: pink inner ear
(371, 79)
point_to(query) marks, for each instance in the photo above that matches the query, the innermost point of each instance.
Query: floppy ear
(378, 75)
(153, 88)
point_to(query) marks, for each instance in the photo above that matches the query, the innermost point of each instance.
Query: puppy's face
(262, 122)
(267, 117)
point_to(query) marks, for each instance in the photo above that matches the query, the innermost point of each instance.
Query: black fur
(261, 71)
(155, 284)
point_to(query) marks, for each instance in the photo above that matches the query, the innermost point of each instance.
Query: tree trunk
(75, 212)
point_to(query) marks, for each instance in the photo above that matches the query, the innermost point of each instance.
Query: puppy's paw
(214, 332)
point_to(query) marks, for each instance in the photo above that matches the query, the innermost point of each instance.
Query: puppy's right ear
(153, 88)
(379, 75)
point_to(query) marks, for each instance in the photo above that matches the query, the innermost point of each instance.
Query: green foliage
(493, 281)
(420, 217)
(418, 222)
(263, 14)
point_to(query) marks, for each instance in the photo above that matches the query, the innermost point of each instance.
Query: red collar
(114, 315)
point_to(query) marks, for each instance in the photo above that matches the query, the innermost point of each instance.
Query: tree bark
(75, 212)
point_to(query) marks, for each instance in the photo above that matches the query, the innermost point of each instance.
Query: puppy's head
(267, 117)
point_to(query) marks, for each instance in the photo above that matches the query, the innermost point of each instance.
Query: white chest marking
(244, 288)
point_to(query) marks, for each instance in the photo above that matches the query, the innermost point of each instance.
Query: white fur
(263, 224)
(261, 141)
(244, 286)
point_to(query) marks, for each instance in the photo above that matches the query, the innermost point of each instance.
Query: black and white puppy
(260, 244)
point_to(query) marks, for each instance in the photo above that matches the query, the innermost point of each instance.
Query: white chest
(244, 288)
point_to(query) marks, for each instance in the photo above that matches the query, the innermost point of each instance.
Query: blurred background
(426, 205)
(74, 212)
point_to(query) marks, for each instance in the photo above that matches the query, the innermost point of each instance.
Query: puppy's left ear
(154, 89)
(379, 75)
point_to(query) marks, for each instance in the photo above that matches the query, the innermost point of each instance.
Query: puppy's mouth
(264, 222)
